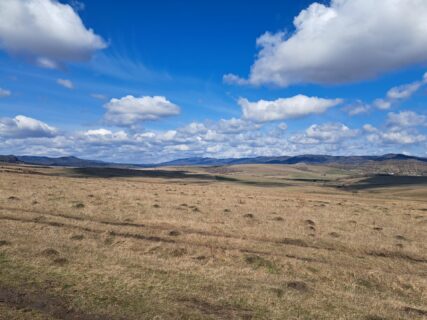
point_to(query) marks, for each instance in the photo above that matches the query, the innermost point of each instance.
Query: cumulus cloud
(398, 137)
(210, 139)
(46, 32)
(324, 133)
(398, 93)
(195, 128)
(382, 104)
(22, 127)
(178, 147)
(357, 108)
(406, 119)
(348, 40)
(104, 136)
(404, 91)
(233, 79)
(330, 131)
(285, 108)
(399, 130)
(65, 83)
(129, 110)
(393, 96)
(234, 125)
(4, 92)
(369, 128)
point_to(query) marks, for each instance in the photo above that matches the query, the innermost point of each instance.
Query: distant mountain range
(308, 159)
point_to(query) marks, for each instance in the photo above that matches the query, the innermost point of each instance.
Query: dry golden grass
(87, 247)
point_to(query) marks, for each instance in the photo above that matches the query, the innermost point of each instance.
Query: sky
(152, 81)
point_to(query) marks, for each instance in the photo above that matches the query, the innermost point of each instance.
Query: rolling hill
(198, 161)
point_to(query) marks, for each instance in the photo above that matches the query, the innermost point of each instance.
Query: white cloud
(104, 135)
(178, 147)
(233, 79)
(195, 128)
(404, 91)
(348, 40)
(406, 119)
(46, 63)
(4, 92)
(25, 127)
(393, 96)
(400, 130)
(98, 132)
(65, 83)
(369, 128)
(330, 131)
(398, 93)
(234, 125)
(324, 133)
(402, 137)
(285, 108)
(357, 108)
(46, 32)
(130, 110)
(382, 104)
(207, 140)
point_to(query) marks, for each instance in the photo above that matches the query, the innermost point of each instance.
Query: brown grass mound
(4, 243)
(297, 285)
(49, 252)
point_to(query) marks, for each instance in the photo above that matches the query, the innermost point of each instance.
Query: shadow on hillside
(164, 174)
(167, 174)
(384, 181)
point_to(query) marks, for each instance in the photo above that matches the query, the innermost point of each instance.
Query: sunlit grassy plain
(240, 242)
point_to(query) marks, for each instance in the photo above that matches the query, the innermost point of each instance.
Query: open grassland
(240, 242)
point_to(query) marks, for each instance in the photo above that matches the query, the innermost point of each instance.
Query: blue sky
(145, 82)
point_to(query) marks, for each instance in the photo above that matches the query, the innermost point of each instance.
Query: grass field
(239, 242)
